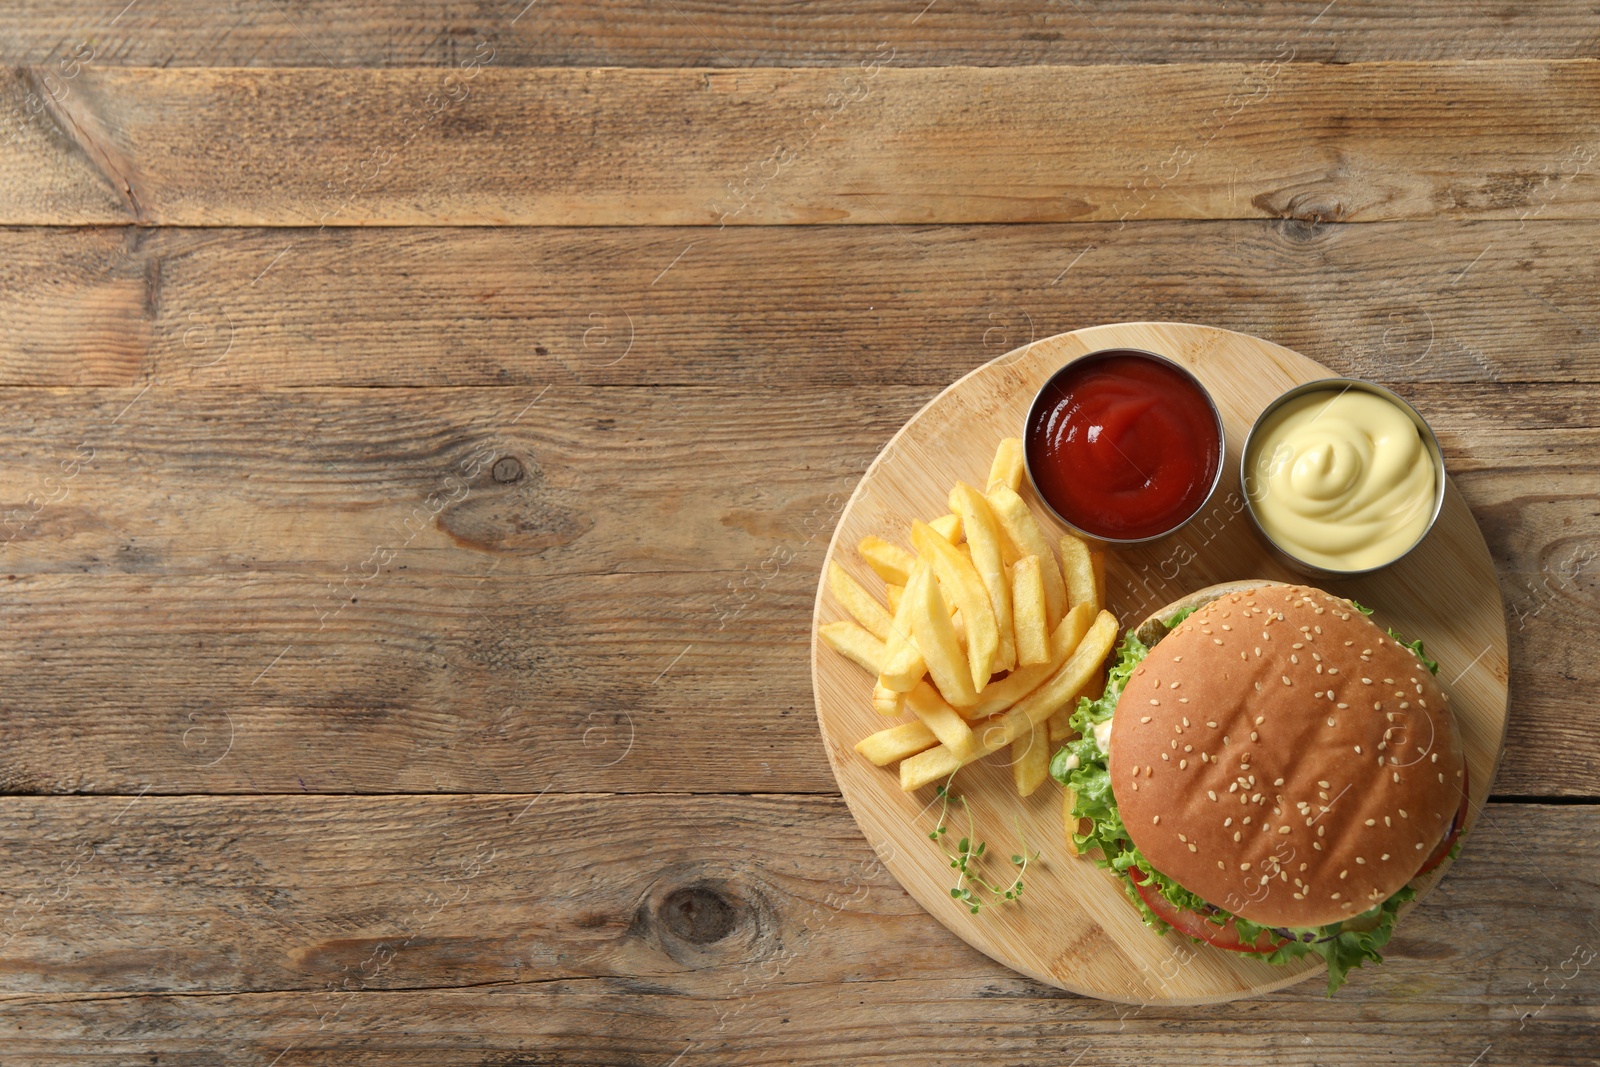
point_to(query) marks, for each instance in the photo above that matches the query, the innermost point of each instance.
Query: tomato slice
(1198, 926)
(1456, 824)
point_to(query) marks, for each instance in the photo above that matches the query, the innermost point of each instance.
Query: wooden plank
(616, 929)
(490, 146)
(772, 307)
(210, 531)
(704, 33)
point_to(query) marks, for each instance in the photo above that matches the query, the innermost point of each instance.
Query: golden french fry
(1077, 569)
(1030, 760)
(1027, 539)
(1061, 722)
(949, 527)
(890, 561)
(896, 743)
(961, 582)
(961, 631)
(854, 642)
(888, 702)
(859, 603)
(903, 666)
(893, 592)
(1098, 559)
(951, 729)
(984, 539)
(936, 638)
(1033, 709)
(1069, 801)
(1028, 613)
(1006, 469)
(998, 696)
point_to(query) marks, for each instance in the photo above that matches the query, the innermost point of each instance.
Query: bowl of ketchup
(1123, 446)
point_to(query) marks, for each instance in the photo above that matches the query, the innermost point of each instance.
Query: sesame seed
(1186, 722)
(1253, 736)
(1441, 776)
(1144, 718)
(1344, 872)
(1246, 821)
(1184, 763)
(1136, 787)
(1155, 703)
(1419, 845)
(1155, 819)
(1277, 781)
(1358, 750)
(1317, 845)
(1212, 793)
(1397, 776)
(1403, 814)
(1294, 659)
(1372, 822)
(1182, 838)
(1360, 859)
(1286, 680)
(1320, 830)
(1366, 681)
(1188, 748)
(1341, 705)
(1244, 866)
(1212, 725)
(1283, 829)
(1324, 785)
(1173, 685)
(1193, 849)
(1227, 822)
(1163, 755)
(1384, 856)
(1205, 757)
(1174, 744)
(1236, 837)
(1216, 640)
(1336, 896)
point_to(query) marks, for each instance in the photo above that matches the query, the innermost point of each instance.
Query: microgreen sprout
(967, 857)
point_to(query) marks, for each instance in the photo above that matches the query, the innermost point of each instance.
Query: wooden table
(424, 423)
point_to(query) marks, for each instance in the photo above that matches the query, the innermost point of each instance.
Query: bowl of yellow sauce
(1342, 477)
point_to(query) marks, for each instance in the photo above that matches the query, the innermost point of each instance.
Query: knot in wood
(697, 914)
(507, 469)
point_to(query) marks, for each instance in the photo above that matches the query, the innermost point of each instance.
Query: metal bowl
(1078, 365)
(1341, 385)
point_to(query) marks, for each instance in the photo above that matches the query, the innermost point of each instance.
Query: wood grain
(883, 144)
(706, 33)
(770, 308)
(203, 538)
(1076, 931)
(416, 931)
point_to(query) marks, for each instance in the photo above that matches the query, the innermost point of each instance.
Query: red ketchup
(1123, 445)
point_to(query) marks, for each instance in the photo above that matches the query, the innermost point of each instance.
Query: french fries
(936, 637)
(949, 528)
(1007, 467)
(1028, 613)
(936, 763)
(1069, 800)
(896, 743)
(859, 603)
(983, 539)
(988, 638)
(892, 563)
(1030, 760)
(966, 590)
(903, 666)
(951, 729)
(1027, 539)
(999, 696)
(1078, 570)
(854, 642)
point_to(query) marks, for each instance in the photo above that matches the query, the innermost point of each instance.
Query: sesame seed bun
(1282, 757)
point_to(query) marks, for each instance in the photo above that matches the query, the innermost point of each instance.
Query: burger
(1267, 772)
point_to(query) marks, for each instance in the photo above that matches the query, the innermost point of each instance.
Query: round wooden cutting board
(1073, 927)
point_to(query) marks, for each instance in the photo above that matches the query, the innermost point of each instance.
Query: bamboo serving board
(1073, 926)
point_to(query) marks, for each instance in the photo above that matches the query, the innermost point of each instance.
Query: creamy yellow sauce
(1341, 479)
